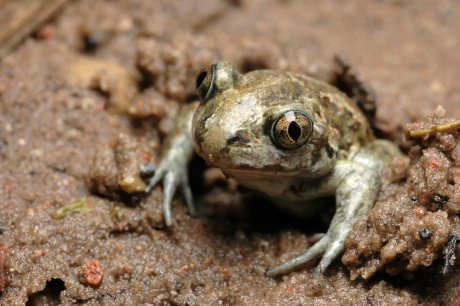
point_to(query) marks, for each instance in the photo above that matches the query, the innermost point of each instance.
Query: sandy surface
(100, 85)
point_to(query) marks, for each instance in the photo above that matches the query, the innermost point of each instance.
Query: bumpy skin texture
(234, 129)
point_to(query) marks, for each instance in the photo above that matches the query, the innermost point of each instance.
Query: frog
(289, 136)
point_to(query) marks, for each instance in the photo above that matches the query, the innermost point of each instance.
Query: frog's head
(264, 122)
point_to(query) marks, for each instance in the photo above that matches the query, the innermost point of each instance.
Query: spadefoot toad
(289, 136)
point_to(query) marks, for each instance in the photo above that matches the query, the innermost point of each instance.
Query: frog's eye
(292, 130)
(205, 83)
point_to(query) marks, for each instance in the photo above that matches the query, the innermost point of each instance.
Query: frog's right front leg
(356, 185)
(172, 168)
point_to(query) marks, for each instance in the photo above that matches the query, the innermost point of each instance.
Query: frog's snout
(216, 78)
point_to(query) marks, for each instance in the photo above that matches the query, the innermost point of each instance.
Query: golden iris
(292, 129)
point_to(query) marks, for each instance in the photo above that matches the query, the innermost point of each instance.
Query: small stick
(19, 18)
(442, 128)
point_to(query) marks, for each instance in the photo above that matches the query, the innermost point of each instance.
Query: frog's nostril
(237, 138)
(234, 139)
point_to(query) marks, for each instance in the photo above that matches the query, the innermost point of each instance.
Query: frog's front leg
(356, 186)
(172, 168)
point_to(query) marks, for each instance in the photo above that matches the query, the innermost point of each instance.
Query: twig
(442, 128)
(19, 18)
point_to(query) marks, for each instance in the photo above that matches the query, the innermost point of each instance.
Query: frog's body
(292, 137)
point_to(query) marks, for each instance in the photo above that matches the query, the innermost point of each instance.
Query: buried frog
(289, 136)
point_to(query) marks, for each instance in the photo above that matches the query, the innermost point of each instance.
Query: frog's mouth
(259, 173)
(267, 181)
(242, 167)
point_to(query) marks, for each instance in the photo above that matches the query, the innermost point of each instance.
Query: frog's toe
(159, 174)
(170, 183)
(315, 238)
(334, 248)
(169, 189)
(188, 196)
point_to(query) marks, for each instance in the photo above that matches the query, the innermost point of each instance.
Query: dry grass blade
(19, 18)
(442, 128)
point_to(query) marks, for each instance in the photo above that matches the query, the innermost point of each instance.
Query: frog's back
(346, 122)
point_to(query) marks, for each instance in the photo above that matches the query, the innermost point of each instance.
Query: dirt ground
(91, 95)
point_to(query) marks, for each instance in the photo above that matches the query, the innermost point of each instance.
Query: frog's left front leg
(356, 186)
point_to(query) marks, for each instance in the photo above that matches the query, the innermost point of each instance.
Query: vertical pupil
(294, 130)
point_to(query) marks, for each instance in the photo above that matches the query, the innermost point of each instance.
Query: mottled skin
(234, 128)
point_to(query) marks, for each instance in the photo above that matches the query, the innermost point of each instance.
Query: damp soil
(91, 95)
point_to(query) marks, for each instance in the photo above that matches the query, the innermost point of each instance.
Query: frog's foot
(173, 175)
(318, 249)
(329, 247)
(172, 169)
